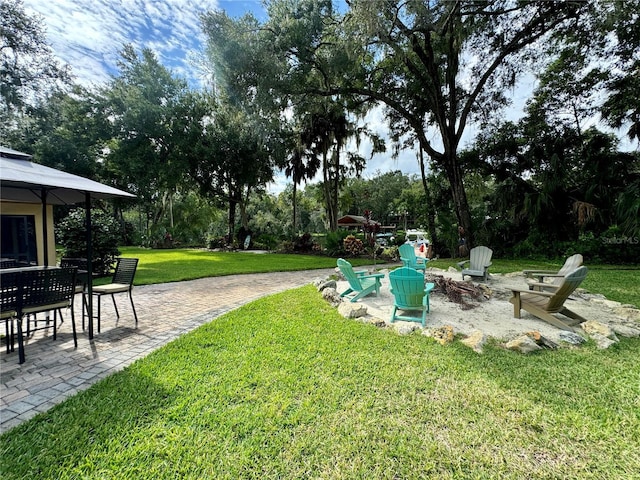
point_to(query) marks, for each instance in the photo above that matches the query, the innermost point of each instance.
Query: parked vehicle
(416, 238)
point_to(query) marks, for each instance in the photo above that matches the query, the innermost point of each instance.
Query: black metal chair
(122, 282)
(9, 305)
(8, 263)
(45, 290)
(82, 278)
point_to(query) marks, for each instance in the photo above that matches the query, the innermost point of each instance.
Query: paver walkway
(55, 370)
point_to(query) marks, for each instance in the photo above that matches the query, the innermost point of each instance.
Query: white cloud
(89, 35)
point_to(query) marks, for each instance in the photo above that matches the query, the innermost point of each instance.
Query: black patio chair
(82, 278)
(122, 282)
(9, 305)
(45, 290)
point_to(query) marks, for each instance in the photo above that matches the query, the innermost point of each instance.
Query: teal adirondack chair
(409, 293)
(410, 259)
(479, 263)
(360, 283)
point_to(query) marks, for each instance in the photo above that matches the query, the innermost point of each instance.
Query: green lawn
(286, 388)
(159, 266)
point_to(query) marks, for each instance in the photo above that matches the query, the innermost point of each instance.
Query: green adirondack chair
(409, 293)
(410, 259)
(545, 305)
(360, 283)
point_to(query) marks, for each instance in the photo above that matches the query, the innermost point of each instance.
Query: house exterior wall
(15, 208)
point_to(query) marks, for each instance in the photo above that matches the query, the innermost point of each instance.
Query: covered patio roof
(23, 181)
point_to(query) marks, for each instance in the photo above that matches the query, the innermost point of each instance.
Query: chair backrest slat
(479, 257)
(125, 271)
(566, 288)
(47, 286)
(407, 286)
(9, 291)
(347, 270)
(8, 263)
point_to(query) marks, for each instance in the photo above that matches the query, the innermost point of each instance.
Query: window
(18, 237)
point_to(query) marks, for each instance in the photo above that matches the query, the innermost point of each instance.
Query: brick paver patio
(55, 370)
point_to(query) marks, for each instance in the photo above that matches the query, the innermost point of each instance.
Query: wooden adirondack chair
(544, 304)
(360, 283)
(409, 293)
(410, 259)
(570, 264)
(479, 263)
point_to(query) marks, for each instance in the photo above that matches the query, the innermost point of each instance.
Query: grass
(286, 388)
(175, 265)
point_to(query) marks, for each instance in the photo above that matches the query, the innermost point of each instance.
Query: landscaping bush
(334, 243)
(105, 232)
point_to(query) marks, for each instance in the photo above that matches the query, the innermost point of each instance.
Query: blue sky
(89, 34)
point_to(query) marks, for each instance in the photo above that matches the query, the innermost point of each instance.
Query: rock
(626, 330)
(571, 338)
(475, 341)
(327, 284)
(332, 296)
(453, 270)
(443, 335)
(591, 327)
(405, 328)
(523, 344)
(542, 341)
(375, 321)
(352, 310)
(602, 342)
(628, 312)
(606, 303)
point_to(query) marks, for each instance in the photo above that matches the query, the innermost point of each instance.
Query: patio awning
(23, 181)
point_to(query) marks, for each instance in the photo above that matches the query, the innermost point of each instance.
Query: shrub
(105, 232)
(304, 244)
(333, 243)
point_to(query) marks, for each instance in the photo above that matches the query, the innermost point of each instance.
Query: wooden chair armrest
(538, 272)
(533, 285)
(461, 264)
(428, 287)
(533, 292)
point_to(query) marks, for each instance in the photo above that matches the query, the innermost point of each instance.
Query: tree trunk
(459, 195)
(431, 213)
(293, 223)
